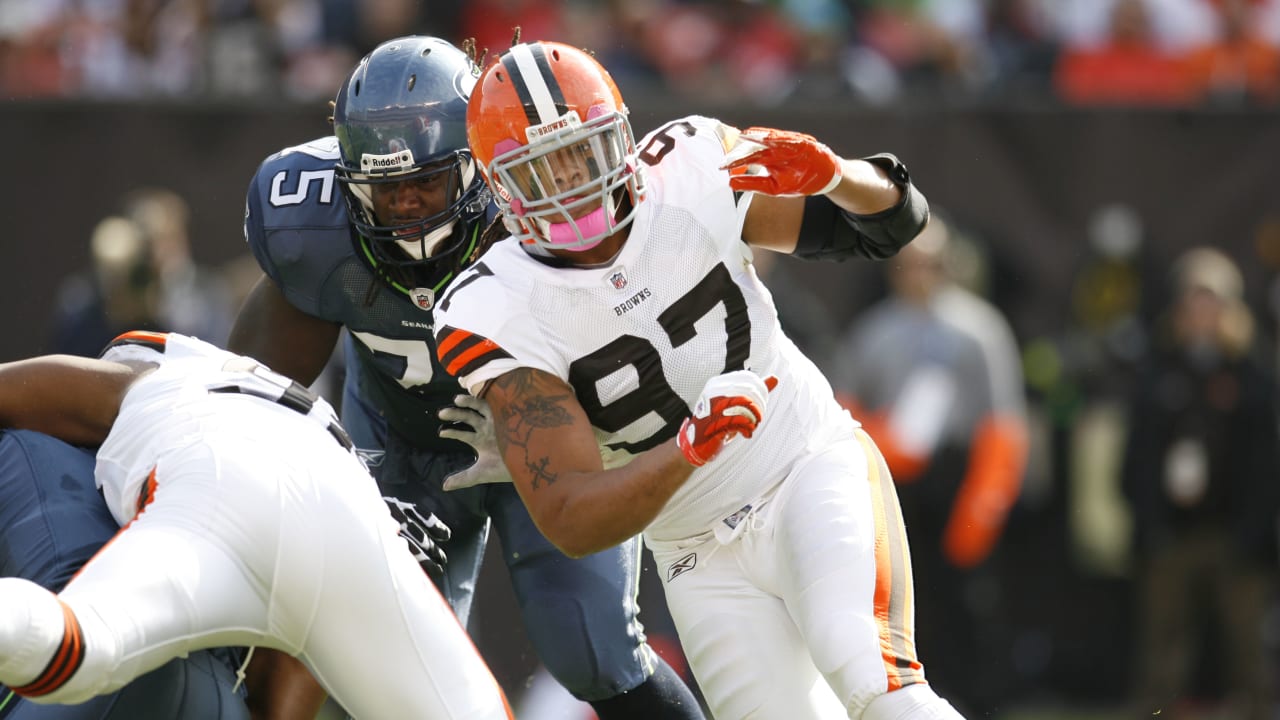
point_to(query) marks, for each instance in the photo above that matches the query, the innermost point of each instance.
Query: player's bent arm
(274, 332)
(785, 224)
(74, 399)
(550, 449)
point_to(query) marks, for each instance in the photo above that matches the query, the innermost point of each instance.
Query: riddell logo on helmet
(394, 161)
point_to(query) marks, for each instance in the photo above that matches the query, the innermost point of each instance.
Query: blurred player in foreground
(248, 520)
(623, 341)
(52, 521)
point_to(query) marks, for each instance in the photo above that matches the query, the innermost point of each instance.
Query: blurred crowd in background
(764, 52)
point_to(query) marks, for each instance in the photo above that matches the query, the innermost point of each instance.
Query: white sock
(31, 628)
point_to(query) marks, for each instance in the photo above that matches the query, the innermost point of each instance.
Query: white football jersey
(183, 400)
(638, 339)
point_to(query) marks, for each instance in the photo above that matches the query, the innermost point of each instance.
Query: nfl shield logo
(423, 297)
(618, 279)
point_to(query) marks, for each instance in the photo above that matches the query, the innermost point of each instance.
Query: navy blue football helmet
(401, 115)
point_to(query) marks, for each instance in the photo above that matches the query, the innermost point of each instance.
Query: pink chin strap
(595, 223)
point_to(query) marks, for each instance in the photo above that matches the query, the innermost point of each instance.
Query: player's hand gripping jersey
(638, 339)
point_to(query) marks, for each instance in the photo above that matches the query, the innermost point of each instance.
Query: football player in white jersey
(640, 381)
(247, 520)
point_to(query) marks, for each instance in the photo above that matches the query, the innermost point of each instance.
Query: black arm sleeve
(828, 232)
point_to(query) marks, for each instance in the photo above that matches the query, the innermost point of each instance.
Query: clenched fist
(731, 404)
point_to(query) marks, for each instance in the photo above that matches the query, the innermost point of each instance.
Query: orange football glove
(793, 164)
(731, 404)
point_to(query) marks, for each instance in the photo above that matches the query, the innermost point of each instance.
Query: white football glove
(474, 414)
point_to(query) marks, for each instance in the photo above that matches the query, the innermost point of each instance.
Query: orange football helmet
(548, 128)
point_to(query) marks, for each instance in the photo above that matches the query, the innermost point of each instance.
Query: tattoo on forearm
(536, 404)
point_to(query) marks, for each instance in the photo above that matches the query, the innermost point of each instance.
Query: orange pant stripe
(894, 597)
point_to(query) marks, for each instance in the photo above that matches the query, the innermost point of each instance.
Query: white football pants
(281, 541)
(804, 610)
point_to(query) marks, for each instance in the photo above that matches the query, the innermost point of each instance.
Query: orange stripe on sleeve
(458, 363)
(449, 339)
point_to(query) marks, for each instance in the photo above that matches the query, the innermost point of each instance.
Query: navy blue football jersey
(297, 226)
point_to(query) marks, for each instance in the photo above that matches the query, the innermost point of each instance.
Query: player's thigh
(194, 568)
(384, 642)
(579, 613)
(845, 571)
(746, 653)
(164, 591)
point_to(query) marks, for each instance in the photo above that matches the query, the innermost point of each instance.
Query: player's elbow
(572, 534)
(573, 550)
(568, 537)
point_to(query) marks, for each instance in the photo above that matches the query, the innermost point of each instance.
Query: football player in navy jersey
(364, 230)
(52, 520)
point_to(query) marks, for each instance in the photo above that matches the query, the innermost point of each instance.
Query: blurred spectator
(1242, 67)
(733, 50)
(1107, 337)
(135, 48)
(933, 372)
(192, 300)
(821, 29)
(1175, 25)
(1200, 471)
(493, 22)
(1131, 52)
(935, 47)
(117, 294)
(143, 277)
(683, 40)
(1129, 67)
(31, 36)
(1022, 49)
